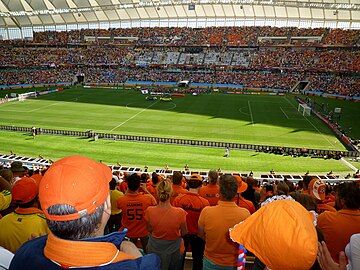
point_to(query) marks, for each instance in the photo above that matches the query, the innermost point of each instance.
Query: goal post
(304, 109)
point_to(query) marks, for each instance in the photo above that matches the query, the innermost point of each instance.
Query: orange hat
(289, 243)
(24, 190)
(196, 177)
(77, 181)
(242, 185)
(37, 177)
(317, 189)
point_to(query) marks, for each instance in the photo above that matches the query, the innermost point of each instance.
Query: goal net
(304, 109)
(26, 95)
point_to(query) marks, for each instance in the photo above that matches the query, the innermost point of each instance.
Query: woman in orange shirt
(166, 225)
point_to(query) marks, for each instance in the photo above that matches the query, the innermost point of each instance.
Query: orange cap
(24, 190)
(317, 189)
(37, 177)
(242, 185)
(77, 181)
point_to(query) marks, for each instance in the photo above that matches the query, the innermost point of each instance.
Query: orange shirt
(193, 204)
(133, 207)
(177, 190)
(322, 207)
(242, 202)
(152, 189)
(211, 193)
(123, 186)
(215, 221)
(338, 228)
(165, 222)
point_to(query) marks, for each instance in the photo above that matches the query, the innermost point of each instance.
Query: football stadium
(263, 92)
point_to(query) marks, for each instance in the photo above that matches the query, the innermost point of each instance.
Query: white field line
(132, 117)
(348, 164)
(312, 124)
(252, 118)
(284, 113)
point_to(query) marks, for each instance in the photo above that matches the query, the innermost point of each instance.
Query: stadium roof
(319, 13)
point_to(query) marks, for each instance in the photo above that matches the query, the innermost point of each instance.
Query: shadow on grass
(263, 109)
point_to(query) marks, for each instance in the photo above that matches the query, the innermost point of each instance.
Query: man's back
(211, 193)
(338, 228)
(177, 190)
(193, 204)
(216, 221)
(133, 208)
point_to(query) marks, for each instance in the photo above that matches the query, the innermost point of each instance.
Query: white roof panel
(142, 13)
(280, 12)
(229, 11)
(209, 11)
(46, 19)
(180, 11)
(68, 18)
(317, 13)
(58, 19)
(104, 10)
(35, 20)
(100, 15)
(111, 14)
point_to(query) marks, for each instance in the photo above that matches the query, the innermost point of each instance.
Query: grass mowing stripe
(213, 117)
(157, 155)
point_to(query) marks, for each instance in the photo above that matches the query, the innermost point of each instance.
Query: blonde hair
(164, 190)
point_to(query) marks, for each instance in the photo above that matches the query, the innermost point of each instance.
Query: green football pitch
(248, 119)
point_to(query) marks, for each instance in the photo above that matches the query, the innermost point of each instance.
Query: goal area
(304, 109)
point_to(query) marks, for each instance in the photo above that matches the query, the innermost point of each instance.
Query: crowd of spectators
(248, 79)
(251, 67)
(180, 36)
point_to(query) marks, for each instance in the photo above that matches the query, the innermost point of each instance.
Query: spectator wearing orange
(17, 227)
(133, 206)
(193, 204)
(214, 223)
(151, 185)
(124, 184)
(114, 222)
(211, 191)
(239, 200)
(317, 190)
(177, 186)
(166, 224)
(339, 226)
(74, 194)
